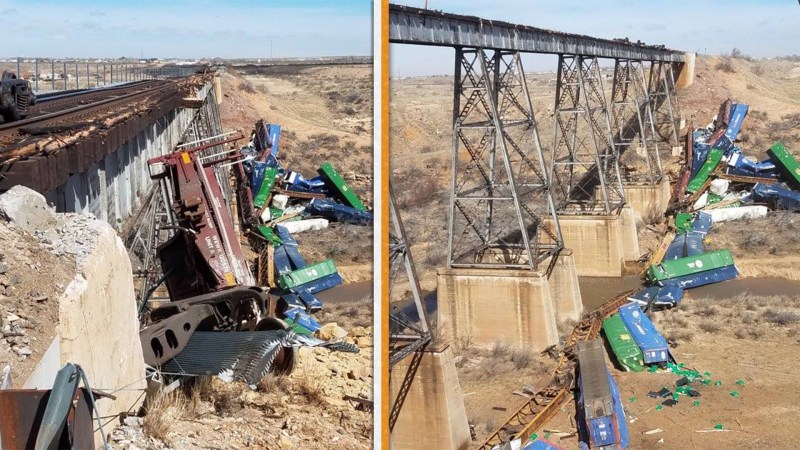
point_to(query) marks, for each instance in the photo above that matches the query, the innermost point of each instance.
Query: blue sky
(761, 28)
(186, 29)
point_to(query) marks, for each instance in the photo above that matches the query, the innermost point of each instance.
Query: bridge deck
(409, 25)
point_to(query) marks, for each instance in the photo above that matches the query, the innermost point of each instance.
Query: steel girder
(584, 162)
(406, 335)
(633, 122)
(410, 25)
(500, 189)
(664, 99)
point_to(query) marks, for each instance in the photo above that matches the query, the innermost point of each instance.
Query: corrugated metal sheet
(653, 345)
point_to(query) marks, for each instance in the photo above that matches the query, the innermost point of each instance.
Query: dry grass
(162, 411)
(310, 389)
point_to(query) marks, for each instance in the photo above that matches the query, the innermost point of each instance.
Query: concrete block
(564, 288)
(630, 238)
(433, 414)
(485, 306)
(596, 242)
(686, 73)
(98, 326)
(647, 199)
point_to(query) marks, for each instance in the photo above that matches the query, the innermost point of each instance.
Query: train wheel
(285, 360)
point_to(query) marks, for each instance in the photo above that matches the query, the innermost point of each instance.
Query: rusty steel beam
(409, 25)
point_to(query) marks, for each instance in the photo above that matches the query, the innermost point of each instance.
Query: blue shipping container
(654, 346)
(776, 196)
(338, 212)
(326, 282)
(685, 244)
(738, 113)
(302, 318)
(540, 444)
(702, 223)
(669, 295)
(281, 260)
(703, 278)
(601, 417)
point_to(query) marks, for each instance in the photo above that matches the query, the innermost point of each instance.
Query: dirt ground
(28, 300)
(420, 133)
(325, 113)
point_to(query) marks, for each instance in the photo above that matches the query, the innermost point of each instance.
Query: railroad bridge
(87, 150)
(525, 219)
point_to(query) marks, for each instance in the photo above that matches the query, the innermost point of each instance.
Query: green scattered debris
(652, 369)
(696, 403)
(740, 382)
(707, 374)
(734, 393)
(632, 399)
(718, 383)
(659, 408)
(546, 435)
(535, 436)
(718, 426)
(269, 233)
(675, 395)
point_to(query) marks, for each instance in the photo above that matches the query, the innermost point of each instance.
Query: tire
(12, 114)
(286, 358)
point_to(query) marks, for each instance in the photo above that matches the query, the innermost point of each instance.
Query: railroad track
(78, 113)
(544, 404)
(60, 101)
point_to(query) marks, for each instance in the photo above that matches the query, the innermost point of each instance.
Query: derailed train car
(601, 417)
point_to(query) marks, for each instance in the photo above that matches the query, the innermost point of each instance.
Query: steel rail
(9, 129)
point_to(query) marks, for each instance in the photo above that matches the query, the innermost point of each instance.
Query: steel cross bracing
(633, 122)
(584, 162)
(501, 210)
(664, 99)
(407, 335)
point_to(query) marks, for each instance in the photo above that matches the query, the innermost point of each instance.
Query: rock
(331, 331)
(285, 443)
(363, 341)
(23, 351)
(28, 210)
(133, 421)
(12, 318)
(359, 373)
(357, 332)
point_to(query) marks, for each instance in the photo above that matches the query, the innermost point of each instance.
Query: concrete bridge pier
(601, 243)
(485, 306)
(648, 198)
(433, 414)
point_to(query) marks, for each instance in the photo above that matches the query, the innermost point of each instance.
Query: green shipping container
(307, 274)
(690, 265)
(266, 187)
(785, 161)
(625, 349)
(683, 222)
(269, 233)
(339, 185)
(712, 160)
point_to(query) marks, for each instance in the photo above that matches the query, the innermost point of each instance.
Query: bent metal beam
(409, 25)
